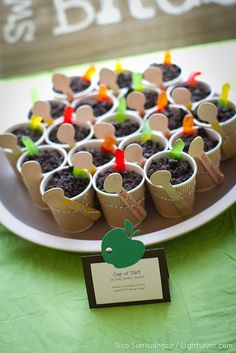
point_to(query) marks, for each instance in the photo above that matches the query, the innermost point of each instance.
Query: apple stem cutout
(55, 198)
(118, 247)
(83, 160)
(134, 154)
(42, 109)
(196, 150)
(136, 100)
(182, 96)
(62, 83)
(113, 184)
(109, 77)
(159, 122)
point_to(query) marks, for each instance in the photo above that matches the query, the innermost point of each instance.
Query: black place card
(142, 283)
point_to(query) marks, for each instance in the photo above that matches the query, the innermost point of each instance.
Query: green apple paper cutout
(118, 247)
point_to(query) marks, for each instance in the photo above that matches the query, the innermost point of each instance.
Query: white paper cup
(172, 106)
(12, 157)
(229, 128)
(204, 181)
(94, 95)
(71, 221)
(87, 144)
(114, 210)
(64, 145)
(130, 115)
(88, 90)
(194, 104)
(163, 203)
(33, 186)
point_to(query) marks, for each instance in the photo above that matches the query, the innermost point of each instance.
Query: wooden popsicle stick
(62, 83)
(55, 198)
(43, 109)
(162, 178)
(182, 96)
(136, 100)
(113, 183)
(196, 150)
(207, 111)
(159, 122)
(103, 130)
(66, 134)
(8, 140)
(108, 77)
(134, 154)
(83, 115)
(84, 160)
(31, 172)
(154, 75)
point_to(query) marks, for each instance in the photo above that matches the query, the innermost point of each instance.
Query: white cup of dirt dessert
(35, 164)
(11, 140)
(69, 195)
(120, 188)
(171, 179)
(204, 145)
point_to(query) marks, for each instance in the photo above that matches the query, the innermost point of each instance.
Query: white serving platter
(19, 215)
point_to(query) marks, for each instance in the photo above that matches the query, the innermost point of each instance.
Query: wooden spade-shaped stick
(108, 77)
(113, 183)
(159, 122)
(32, 176)
(154, 75)
(182, 96)
(66, 134)
(103, 130)
(32, 173)
(55, 198)
(83, 115)
(134, 154)
(43, 109)
(196, 150)
(136, 100)
(84, 160)
(162, 178)
(207, 111)
(9, 141)
(62, 83)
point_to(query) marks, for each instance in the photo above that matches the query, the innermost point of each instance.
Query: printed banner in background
(45, 34)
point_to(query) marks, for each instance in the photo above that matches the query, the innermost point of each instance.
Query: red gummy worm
(68, 114)
(191, 80)
(119, 160)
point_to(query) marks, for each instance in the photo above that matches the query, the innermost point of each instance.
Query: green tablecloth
(44, 308)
